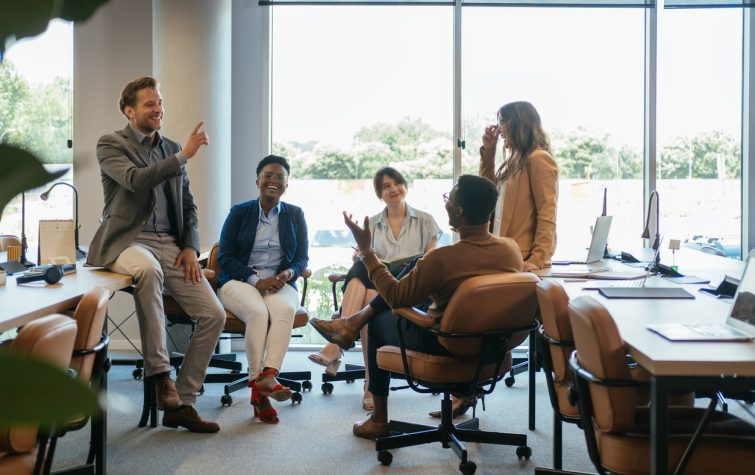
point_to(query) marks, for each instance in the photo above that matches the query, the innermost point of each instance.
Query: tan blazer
(529, 205)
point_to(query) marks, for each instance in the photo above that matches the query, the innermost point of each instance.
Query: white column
(192, 62)
(251, 95)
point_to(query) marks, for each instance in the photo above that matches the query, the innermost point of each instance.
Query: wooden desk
(20, 304)
(708, 366)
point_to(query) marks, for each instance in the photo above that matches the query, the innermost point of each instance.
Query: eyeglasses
(279, 177)
(446, 196)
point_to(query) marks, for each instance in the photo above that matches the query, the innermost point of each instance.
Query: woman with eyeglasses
(527, 182)
(398, 232)
(263, 250)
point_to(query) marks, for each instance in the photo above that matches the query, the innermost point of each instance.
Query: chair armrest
(211, 276)
(336, 277)
(415, 316)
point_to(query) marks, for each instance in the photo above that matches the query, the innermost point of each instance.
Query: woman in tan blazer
(527, 181)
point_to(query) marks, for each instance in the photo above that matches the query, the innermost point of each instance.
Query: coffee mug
(14, 253)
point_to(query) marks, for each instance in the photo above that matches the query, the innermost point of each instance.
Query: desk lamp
(44, 196)
(646, 231)
(22, 263)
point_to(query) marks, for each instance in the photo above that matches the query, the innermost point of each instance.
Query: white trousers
(269, 319)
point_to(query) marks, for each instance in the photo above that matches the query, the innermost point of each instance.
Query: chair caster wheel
(467, 468)
(296, 398)
(201, 390)
(523, 452)
(306, 386)
(137, 374)
(327, 388)
(226, 400)
(385, 457)
(509, 381)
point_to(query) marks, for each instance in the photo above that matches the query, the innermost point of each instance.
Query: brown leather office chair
(485, 319)
(298, 381)
(22, 449)
(89, 362)
(8, 240)
(617, 430)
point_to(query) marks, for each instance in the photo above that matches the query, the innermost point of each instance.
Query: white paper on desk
(56, 242)
(585, 271)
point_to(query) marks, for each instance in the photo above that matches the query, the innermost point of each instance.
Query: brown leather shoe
(370, 429)
(334, 331)
(165, 390)
(459, 406)
(187, 416)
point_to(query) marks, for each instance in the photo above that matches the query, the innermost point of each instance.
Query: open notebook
(739, 326)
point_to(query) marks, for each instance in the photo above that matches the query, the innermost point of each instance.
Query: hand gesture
(362, 236)
(188, 259)
(270, 285)
(197, 138)
(490, 138)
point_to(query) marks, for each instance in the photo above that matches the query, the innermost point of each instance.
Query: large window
(35, 113)
(699, 128)
(583, 70)
(355, 89)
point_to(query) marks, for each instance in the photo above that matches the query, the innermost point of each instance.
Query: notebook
(597, 243)
(56, 242)
(740, 323)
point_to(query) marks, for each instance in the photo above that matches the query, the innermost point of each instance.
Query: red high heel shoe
(266, 414)
(279, 392)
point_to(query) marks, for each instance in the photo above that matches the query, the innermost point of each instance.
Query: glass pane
(582, 69)
(699, 96)
(356, 89)
(35, 113)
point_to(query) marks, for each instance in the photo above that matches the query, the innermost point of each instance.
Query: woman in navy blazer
(263, 250)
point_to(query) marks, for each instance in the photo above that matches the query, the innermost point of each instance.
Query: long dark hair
(525, 135)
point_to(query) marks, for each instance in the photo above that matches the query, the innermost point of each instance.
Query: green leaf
(21, 171)
(79, 10)
(21, 19)
(38, 392)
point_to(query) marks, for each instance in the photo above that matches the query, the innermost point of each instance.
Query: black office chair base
(450, 435)
(350, 374)
(297, 381)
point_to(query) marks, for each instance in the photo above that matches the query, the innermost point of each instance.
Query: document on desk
(56, 242)
(588, 271)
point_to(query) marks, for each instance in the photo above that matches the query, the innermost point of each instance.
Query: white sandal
(331, 366)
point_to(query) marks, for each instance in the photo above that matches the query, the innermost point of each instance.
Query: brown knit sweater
(443, 269)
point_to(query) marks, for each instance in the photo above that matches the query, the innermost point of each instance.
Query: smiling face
(272, 181)
(503, 130)
(392, 193)
(147, 114)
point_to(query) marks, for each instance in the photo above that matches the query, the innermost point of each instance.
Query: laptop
(597, 243)
(739, 326)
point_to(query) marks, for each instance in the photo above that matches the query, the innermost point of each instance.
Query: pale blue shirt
(267, 253)
(416, 232)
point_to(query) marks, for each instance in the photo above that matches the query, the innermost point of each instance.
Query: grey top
(416, 232)
(128, 184)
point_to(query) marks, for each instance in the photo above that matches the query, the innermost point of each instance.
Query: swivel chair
(25, 450)
(700, 441)
(90, 363)
(297, 381)
(485, 319)
(8, 240)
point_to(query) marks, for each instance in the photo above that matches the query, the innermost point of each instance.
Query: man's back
(442, 270)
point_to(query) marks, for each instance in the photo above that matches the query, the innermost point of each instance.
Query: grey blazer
(128, 183)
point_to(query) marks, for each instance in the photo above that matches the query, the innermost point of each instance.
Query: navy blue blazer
(240, 230)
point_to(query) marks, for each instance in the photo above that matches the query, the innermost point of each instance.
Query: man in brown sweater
(436, 275)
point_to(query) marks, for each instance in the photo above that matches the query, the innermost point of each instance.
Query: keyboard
(712, 330)
(625, 283)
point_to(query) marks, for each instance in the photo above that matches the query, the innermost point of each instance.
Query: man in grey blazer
(149, 231)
